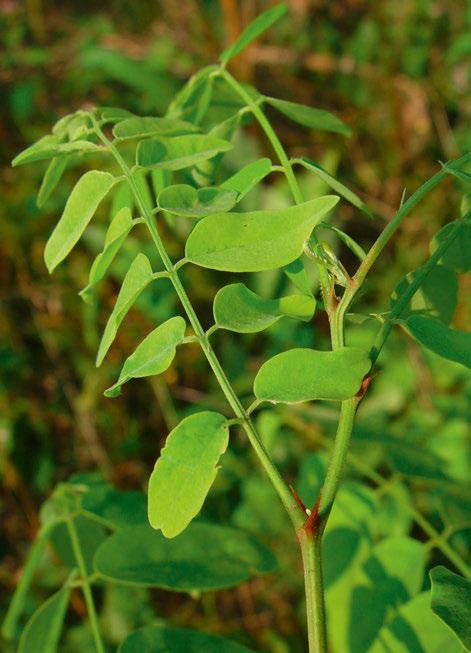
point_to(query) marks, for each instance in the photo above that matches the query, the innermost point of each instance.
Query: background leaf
(180, 151)
(42, 632)
(178, 640)
(458, 255)
(448, 343)
(451, 601)
(309, 116)
(141, 127)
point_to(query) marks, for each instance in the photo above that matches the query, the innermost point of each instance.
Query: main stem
(295, 513)
(87, 592)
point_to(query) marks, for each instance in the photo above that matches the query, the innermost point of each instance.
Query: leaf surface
(185, 471)
(458, 255)
(42, 632)
(309, 116)
(253, 31)
(306, 374)
(51, 178)
(237, 308)
(137, 278)
(451, 601)
(141, 127)
(190, 202)
(203, 557)
(154, 354)
(451, 344)
(83, 201)
(179, 152)
(255, 241)
(119, 228)
(178, 640)
(248, 177)
(49, 147)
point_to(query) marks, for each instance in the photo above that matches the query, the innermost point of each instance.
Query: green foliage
(451, 344)
(155, 640)
(190, 202)
(451, 601)
(43, 630)
(179, 152)
(309, 117)
(185, 471)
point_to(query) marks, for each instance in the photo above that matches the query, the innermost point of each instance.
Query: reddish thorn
(312, 521)
(298, 499)
(365, 384)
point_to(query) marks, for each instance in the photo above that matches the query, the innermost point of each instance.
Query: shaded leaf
(448, 343)
(153, 355)
(119, 228)
(185, 471)
(306, 374)
(115, 509)
(237, 308)
(49, 147)
(255, 241)
(50, 180)
(180, 151)
(451, 601)
(81, 205)
(185, 200)
(458, 255)
(177, 640)
(247, 177)
(253, 31)
(137, 278)
(437, 296)
(203, 557)
(296, 273)
(140, 127)
(42, 632)
(309, 116)
(333, 183)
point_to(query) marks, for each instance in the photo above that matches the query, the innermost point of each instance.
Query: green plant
(186, 146)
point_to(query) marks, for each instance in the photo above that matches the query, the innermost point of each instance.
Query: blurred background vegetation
(398, 73)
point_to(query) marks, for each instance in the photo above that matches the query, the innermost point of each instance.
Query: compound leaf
(179, 152)
(451, 601)
(458, 255)
(237, 308)
(140, 127)
(203, 557)
(119, 228)
(42, 632)
(178, 640)
(154, 354)
(83, 201)
(247, 177)
(185, 471)
(190, 202)
(253, 31)
(305, 374)
(136, 279)
(255, 241)
(448, 343)
(309, 116)
(49, 147)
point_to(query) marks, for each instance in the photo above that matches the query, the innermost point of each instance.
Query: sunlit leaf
(255, 241)
(305, 374)
(137, 278)
(185, 200)
(81, 205)
(248, 177)
(185, 471)
(203, 557)
(254, 30)
(448, 343)
(119, 228)
(51, 178)
(309, 116)
(49, 147)
(154, 354)
(437, 295)
(451, 601)
(179, 152)
(237, 308)
(42, 632)
(137, 127)
(177, 640)
(114, 114)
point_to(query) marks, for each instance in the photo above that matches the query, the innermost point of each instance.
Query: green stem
(311, 550)
(87, 592)
(295, 512)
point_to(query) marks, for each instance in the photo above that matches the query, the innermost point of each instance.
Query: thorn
(311, 523)
(298, 499)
